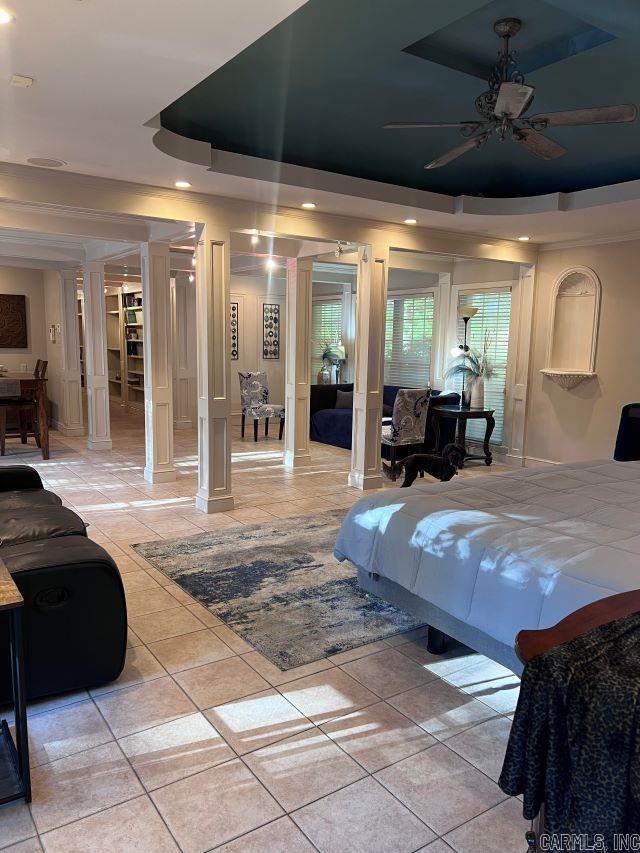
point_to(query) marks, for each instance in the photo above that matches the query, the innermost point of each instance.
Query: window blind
(408, 340)
(493, 319)
(326, 325)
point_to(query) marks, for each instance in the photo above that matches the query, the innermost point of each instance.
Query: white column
(298, 363)
(158, 370)
(72, 421)
(214, 372)
(183, 315)
(442, 343)
(95, 358)
(369, 373)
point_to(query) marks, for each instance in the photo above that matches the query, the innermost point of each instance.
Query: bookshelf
(80, 303)
(114, 343)
(133, 339)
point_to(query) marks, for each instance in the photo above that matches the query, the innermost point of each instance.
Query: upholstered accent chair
(408, 424)
(254, 398)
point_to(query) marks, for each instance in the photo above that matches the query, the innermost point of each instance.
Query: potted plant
(333, 355)
(475, 366)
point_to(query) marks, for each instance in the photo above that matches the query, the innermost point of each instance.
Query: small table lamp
(466, 312)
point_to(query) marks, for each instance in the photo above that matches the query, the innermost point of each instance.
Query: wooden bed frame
(531, 643)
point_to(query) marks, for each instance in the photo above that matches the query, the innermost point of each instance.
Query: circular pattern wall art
(271, 330)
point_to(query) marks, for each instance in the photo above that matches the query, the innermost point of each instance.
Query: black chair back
(628, 440)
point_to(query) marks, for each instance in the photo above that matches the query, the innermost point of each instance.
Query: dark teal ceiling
(316, 90)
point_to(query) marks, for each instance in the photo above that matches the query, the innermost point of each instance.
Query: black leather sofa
(75, 617)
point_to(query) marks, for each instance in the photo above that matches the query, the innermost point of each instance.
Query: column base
(159, 476)
(99, 443)
(296, 460)
(364, 482)
(210, 505)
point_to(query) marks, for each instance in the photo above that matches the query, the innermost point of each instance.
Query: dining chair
(408, 421)
(254, 399)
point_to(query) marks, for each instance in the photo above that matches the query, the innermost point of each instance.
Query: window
(408, 338)
(492, 320)
(326, 325)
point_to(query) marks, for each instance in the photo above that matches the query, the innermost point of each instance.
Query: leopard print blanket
(575, 739)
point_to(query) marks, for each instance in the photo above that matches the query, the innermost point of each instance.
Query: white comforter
(507, 551)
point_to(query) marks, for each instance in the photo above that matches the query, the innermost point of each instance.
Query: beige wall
(564, 426)
(27, 282)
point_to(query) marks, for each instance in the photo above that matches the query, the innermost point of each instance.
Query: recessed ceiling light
(47, 162)
(192, 278)
(309, 205)
(5, 16)
(193, 261)
(411, 222)
(270, 264)
(523, 238)
(255, 239)
(182, 185)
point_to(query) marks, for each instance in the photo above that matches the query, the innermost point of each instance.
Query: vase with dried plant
(474, 366)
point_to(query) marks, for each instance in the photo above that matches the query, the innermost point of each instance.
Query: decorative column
(298, 363)
(214, 372)
(183, 315)
(158, 371)
(71, 370)
(369, 368)
(95, 358)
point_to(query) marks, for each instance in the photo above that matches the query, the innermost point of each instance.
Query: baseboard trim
(529, 459)
(100, 444)
(65, 430)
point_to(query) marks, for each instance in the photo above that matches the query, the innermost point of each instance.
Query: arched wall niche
(573, 327)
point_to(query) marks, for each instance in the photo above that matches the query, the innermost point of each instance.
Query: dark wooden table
(15, 780)
(462, 416)
(30, 386)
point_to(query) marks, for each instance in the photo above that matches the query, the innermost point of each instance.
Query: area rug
(279, 587)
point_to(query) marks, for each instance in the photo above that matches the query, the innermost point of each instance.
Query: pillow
(387, 411)
(344, 399)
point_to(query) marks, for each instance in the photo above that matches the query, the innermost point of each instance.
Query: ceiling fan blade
(413, 124)
(454, 153)
(513, 99)
(593, 115)
(539, 145)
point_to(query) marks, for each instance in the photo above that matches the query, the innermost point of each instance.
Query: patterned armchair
(254, 397)
(409, 420)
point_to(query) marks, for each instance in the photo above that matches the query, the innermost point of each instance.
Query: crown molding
(590, 241)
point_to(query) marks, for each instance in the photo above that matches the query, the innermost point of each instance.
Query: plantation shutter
(408, 339)
(493, 318)
(326, 326)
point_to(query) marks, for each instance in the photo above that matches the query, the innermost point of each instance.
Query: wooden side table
(15, 779)
(462, 416)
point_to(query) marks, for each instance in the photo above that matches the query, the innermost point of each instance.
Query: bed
(482, 559)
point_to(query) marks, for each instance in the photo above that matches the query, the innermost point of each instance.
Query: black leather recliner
(75, 618)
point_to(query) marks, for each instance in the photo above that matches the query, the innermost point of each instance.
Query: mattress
(521, 549)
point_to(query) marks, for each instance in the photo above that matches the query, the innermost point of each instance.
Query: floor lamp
(466, 312)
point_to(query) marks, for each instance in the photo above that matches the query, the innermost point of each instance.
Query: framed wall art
(13, 322)
(234, 330)
(270, 330)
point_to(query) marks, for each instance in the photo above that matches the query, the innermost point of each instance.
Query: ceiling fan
(502, 106)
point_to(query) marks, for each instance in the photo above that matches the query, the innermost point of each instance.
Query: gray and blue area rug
(279, 587)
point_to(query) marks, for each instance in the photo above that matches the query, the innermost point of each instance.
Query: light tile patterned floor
(203, 744)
